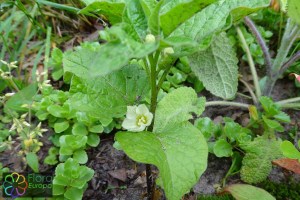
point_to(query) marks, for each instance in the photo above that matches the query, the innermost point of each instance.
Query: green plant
(70, 180)
(145, 42)
(253, 147)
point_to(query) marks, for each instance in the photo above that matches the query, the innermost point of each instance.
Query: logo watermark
(27, 184)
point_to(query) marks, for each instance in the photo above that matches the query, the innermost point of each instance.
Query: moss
(282, 191)
(215, 197)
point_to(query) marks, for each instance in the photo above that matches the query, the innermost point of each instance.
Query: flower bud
(150, 38)
(168, 51)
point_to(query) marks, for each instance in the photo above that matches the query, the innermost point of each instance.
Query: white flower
(137, 118)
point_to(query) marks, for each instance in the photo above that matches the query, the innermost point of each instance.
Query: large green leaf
(177, 148)
(111, 9)
(294, 10)
(107, 97)
(173, 13)
(176, 107)
(148, 6)
(213, 18)
(217, 67)
(248, 192)
(86, 62)
(179, 153)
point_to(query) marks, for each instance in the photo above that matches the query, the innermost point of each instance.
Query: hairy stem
(293, 59)
(261, 43)
(154, 92)
(227, 103)
(286, 101)
(250, 61)
(290, 35)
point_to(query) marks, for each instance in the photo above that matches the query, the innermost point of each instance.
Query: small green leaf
(269, 106)
(248, 192)
(74, 193)
(58, 189)
(96, 129)
(56, 111)
(273, 124)
(93, 140)
(79, 129)
(33, 161)
(283, 117)
(61, 126)
(207, 127)
(81, 156)
(289, 150)
(222, 148)
(217, 67)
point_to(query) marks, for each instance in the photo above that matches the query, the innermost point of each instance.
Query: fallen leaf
(119, 174)
(289, 164)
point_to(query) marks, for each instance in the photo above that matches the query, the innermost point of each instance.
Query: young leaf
(61, 126)
(180, 153)
(174, 13)
(33, 161)
(79, 129)
(217, 67)
(257, 161)
(80, 156)
(222, 148)
(176, 107)
(93, 140)
(248, 192)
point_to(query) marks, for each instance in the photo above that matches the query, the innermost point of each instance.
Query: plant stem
(290, 105)
(250, 91)
(292, 100)
(290, 35)
(250, 61)
(226, 103)
(261, 43)
(286, 65)
(154, 92)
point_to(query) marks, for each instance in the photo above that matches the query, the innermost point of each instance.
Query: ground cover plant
(146, 82)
